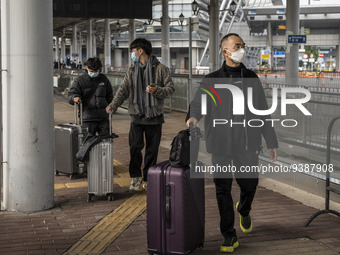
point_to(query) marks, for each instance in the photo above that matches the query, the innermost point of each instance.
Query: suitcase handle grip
(168, 212)
(80, 113)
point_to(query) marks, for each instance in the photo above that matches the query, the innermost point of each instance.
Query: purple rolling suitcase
(175, 210)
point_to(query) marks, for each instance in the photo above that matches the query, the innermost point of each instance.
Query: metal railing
(307, 141)
(179, 101)
(328, 183)
(308, 138)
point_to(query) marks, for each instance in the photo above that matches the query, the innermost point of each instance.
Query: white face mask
(238, 55)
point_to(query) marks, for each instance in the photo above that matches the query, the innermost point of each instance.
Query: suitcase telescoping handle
(80, 113)
(110, 121)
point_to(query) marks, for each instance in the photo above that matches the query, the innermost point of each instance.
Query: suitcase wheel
(56, 172)
(151, 253)
(71, 176)
(89, 197)
(110, 197)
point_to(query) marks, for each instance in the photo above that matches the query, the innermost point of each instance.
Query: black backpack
(180, 154)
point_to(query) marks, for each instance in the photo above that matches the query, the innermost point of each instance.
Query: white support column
(94, 46)
(28, 122)
(54, 49)
(270, 43)
(80, 46)
(337, 64)
(132, 36)
(165, 33)
(107, 45)
(74, 43)
(71, 50)
(118, 57)
(292, 52)
(302, 45)
(213, 35)
(63, 50)
(89, 50)
(57, 51)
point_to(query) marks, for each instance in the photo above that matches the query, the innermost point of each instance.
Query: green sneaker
(229, 244)
(246, 223)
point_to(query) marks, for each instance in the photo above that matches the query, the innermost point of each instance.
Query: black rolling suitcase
(68, 140)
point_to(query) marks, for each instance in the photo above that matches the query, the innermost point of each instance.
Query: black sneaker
(229, 244)
(245, 222)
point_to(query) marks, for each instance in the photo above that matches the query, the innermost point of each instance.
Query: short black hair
(227, 36)
(93, 63)
(142, 43)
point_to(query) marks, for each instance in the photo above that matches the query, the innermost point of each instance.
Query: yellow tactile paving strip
(115, 223)
(70, 185)
(110, 227)
(119, 169)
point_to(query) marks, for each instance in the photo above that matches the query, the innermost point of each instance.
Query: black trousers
(247, 183)
(153, 135)
(102, 127)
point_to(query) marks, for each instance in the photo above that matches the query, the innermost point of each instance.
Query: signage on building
(279, 54)
(297, 38)
(265, 54)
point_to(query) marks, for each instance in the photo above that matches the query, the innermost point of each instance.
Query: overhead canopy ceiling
(67, 13)
(64, 27)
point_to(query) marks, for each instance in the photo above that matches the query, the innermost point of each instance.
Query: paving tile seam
(110, 227)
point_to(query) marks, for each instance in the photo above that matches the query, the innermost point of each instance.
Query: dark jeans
(102, 127)
(153, 135)
(223, 186)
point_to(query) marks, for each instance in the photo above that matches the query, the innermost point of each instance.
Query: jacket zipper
(245, 111)
(230, 134)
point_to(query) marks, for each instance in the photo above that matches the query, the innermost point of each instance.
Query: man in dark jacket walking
(94, 90)
(238, 140)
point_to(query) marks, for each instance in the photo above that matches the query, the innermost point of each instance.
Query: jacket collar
(87, 77)
(221, 74)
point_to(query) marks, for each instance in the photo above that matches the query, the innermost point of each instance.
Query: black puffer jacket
(95, 93)
(219, 138)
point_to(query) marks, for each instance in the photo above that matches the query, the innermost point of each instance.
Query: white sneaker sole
(134, 188)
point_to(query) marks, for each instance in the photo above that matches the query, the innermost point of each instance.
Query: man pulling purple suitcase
(237, 145)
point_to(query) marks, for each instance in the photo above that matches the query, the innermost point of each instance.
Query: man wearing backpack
(239, 144)
(146, 84)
